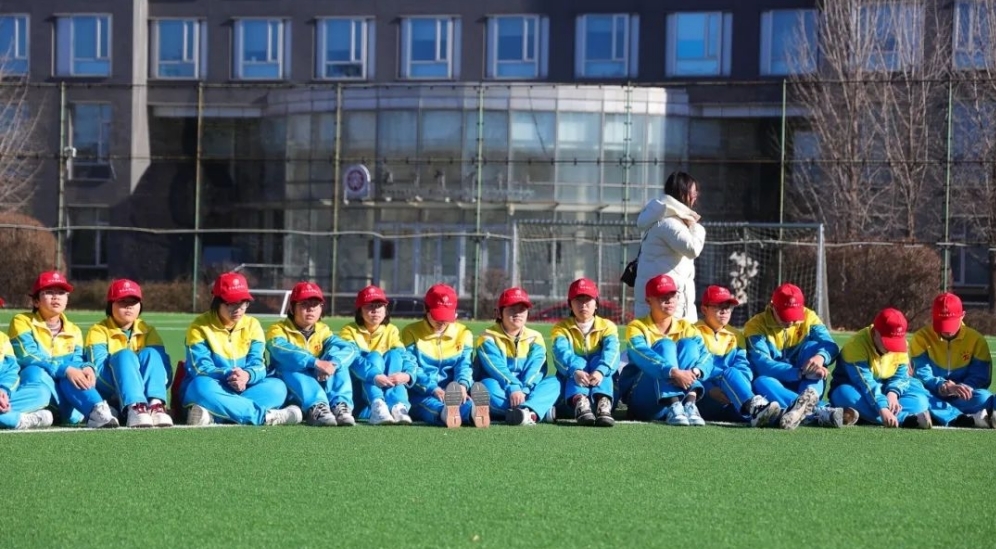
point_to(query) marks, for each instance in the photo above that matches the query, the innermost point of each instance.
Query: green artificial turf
(547, 486)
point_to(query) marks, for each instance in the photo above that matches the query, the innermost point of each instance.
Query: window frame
(281, 57)
(199, 54)
(17, 56)
(901, 59)
(103, 143)
(961, 227)
(66, 45)
(724, 50)
(540, 60)
(103, 220)
(967, 58)
(452, 50)
(630, 57)
(767, 40)
(366, 45)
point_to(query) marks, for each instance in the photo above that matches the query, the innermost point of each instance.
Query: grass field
(636, 485)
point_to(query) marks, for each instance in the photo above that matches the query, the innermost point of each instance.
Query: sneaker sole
(586, 419)
(851, 417)
(453, 399)
(481, 398)
(515, 416)
(605, 421)
(802, 407)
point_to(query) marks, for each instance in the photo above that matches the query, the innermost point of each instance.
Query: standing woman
(130, 358)
(674, 238)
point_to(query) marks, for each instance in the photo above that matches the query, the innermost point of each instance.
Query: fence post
(947, 195)
(336, 174)
(61, 214)
(195, 275)
(822, 305)
(479, 177)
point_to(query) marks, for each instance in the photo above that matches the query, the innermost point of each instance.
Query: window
(345, 48)
(888, 37)
(261, 48)
(699, 43)
(83, 45)
(969, 263)
(607, 45)
(973, 32)
(429, 51)
(179, 48)
(88, 247)
(517, 46)
(90, 135)
(13, 44)
(788, 42)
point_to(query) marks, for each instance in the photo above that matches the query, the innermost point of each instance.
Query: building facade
(426, 122)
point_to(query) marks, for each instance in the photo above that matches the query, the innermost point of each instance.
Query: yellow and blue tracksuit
(213, 352)
(645, 383)
(132, 365)
(964, 360)
(440, 359)
(25, 397)
(380, 353)
(777, 355)
(863, 378)
(598, 351)
(293, 357)
(509, 364)
(731, 374)
(45, 358)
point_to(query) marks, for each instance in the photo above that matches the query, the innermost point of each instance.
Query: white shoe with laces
(198, 416)
(290, 415)
(343, 415)
(676, 415)
(139, 416)
(34, 420)
(981, 419)
(379, 414)
(762, 412)
(400, 414)
(101, 417)
(693, 415)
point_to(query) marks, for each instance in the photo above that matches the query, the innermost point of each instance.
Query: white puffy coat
(670, 248)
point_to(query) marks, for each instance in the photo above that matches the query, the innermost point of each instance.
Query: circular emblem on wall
(357, 181)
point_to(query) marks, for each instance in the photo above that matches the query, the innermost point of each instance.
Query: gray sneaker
(320, 415)
(827, 416)
(802, 407)
(343, 415)
(603, 412)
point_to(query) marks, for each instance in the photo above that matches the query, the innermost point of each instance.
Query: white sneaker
(693, 415)
(320, 415)
(981, 419)
(160, 417)
(923, 420)
(34, 420)
(344, 416)
(800, 408)
(290, 415)
(762, 412)
(101, 417)
(676, 415)
(379, 414)
(198, 416)
(139, 416)
(400, 414)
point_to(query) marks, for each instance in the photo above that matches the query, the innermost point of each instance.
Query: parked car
(414, 307)
(556, 313)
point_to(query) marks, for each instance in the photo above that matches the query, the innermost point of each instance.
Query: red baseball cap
(306, 290)
(891, 326)
(370, 294)
(789, 303)
(441, 303)
(660, 286)
(514, 296)
(947, 313)
(51, 279)
(231, 288)
(582, 286)
(718, 295)
(122, 288)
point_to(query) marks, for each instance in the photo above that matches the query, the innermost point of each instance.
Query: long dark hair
(679, 186)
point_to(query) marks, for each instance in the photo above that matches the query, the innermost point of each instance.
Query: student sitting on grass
(444, 391)
(668, 361)
(130, 358)
(512, 359)
(954, 364)
(384, 371)
(586, 354)
(22, 404)
(790, 351)
(728, 394)
(227, 379)
(872, 376)
(49, 349)
(312, 360)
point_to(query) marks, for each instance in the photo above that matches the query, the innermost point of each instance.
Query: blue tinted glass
(690, 40)
(430, 70)
(255, 40)
(530, 38)
(620, 37)
(423, 40)
(92, 67)
(85, 37)
(344, 70)
(262, 70)
(171, 41)
(177, 70)
(357, 39)
(598, 37)
(510, 39)
(444, 37)
(14, 66)
(606, 69)
(8, 33)
(522, 69)
(104, 37)
(337, 40)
